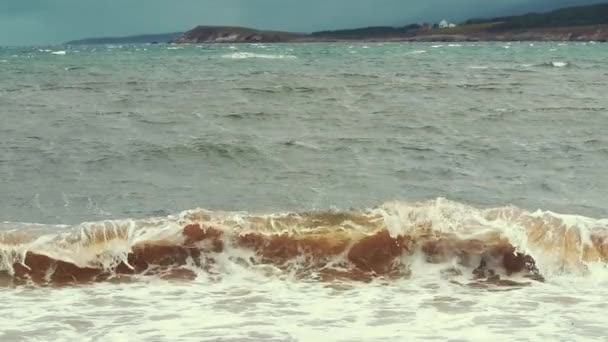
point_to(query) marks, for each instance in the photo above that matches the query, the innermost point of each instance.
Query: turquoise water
(132, 131)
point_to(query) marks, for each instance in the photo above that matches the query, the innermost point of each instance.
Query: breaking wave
(504, 246)
(247, 55)
(557, 64)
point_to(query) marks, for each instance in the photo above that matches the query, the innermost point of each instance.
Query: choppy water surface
(323, 169)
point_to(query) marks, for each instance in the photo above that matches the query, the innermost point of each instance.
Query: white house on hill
(445, 24)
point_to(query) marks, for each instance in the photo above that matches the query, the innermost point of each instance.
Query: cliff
(227, 34)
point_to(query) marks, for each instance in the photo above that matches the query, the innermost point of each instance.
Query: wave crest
(248, 55)
(504, 246)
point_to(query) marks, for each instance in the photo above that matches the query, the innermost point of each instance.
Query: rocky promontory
(582, 23)
(230, 34)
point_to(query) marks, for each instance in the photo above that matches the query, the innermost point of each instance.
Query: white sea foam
(247, 55)
(241, 300)
(559, 64)
(59, 53)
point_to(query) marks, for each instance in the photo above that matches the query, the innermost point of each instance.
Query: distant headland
(138, 39)
(581, 23)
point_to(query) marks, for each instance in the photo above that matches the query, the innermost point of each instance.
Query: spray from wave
(500, 246)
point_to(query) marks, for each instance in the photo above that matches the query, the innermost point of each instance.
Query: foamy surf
(248, 55)
(469, 246)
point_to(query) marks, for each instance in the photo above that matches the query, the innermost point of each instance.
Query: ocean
(304, 192)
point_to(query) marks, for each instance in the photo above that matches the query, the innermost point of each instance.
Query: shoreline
(229, 35)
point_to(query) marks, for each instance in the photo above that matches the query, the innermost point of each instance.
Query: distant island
(581, 23)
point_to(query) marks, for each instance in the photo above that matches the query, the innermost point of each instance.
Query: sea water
(278, 192)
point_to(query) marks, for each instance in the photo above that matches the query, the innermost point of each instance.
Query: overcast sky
(27, 22)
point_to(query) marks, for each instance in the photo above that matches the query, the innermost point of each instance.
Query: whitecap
(559, 64)
(246, 55)
(416, 52)
(59, 53)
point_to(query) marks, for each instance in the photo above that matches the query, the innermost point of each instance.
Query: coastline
(597, 33)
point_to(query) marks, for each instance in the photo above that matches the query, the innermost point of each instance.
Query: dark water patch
(158, 122)
(418, 149)
(196, 148)
(357, 75)
(112, 113)
(280, 90)
(355, 140)
(571, 109)
(250, 115)
(596, 143)
(49, 87)
(227, 150)
(427, 129)
(490, 86)
(258, 90)
(105, 158)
